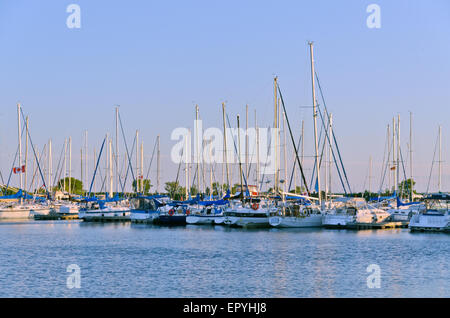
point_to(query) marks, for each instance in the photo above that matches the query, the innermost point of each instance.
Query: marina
(225, 150)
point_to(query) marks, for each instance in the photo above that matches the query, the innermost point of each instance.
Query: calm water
(127, 260)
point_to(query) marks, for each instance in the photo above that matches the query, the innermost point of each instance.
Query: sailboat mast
(225, 155)
(117, 149)
(239, 154)
(257, 154)
(330, 149)
(303, 148)
(110, 169)
(394, 173)
(186, 162)
(197, 148)
(158, 161)
(137, 162)
(316, 145)
(285, 152)
(142, 166)
(440, 159)
(275, 126)
(246, 141)
(398, 151)
(65, 164)
(20, 145)
(49, 184)
(86, 173)
(70, 165)
(26, 152)
(411, 157)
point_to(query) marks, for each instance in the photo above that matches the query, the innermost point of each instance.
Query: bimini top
(438, 196)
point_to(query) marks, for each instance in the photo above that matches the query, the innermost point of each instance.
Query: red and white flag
(19, 169)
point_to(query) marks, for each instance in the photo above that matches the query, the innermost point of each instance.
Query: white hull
(336, 221)
(246, 221)
(430, 222)
(42, 211)
(296, 222)
(202, 219)
(15, 214)
(143, 216)
(113, 214)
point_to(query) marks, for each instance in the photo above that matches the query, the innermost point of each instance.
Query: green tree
(146, 183)
(75, 185)
(404, 187)
(174, 190)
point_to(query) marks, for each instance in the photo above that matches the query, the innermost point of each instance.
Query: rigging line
(404, 173)
(34, 152)
(126, 148)
(332, 132)
(35, 170)
(292, 139)
(237, 154)
(264, 170)
(115, 161)
(14, 162)
(58, 174)
(151, 160)
(432, 164)
(385, 164)
(129, 166)
(96, 167)
(293, 167)
(332, 149)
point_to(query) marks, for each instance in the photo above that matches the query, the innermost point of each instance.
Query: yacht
(100, 210)
(298, 216)
(254, 213)
(436, 216)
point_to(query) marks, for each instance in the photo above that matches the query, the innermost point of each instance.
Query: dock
(56, 216)
(376, 226)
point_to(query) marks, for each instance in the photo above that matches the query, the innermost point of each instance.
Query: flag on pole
(19, 169)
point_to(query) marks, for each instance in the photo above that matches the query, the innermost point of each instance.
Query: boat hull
(170, 220)
(296, 222)
(430, 223)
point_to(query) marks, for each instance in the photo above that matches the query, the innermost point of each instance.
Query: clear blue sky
(157, 59)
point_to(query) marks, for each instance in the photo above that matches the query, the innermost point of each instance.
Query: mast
(110, 170)
(70, 165)
(197, 148)
(137, 162)
(440, 159)
(316, 145)
(142, 166)
(370, 173)
(158, 166)
(95, 160)
(86, 173)
(81, 156)
(49, 184)
(330, 131)
(26, 152)
(239, 154)
(65, 165)
(20, 146)
(411, 198)
(257, 154)
(186, 168)
(117, 149)
(275, 126)
(303, 148)
(225, 155)
(285, 152)
(394, 173)
(211, 192)
(246, 141)
(389, 147)
(398, 151)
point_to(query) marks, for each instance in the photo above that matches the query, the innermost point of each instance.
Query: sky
(158, 59)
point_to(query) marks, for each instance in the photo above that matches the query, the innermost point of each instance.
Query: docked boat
(102, 211)
(353, 211)
(207, 212)
(303, 216)
(249, 214)
(15, 211)
(146, 209)
(436, 217)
